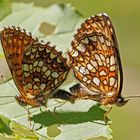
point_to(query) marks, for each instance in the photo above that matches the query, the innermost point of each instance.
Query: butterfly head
(121, 101)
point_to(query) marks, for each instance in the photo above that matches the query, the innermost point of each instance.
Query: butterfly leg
(29, 116)
(23, 102)
(105, 115)
(61, 104)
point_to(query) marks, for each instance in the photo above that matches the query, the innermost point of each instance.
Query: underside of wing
(94, 56)
(35, 67)
(44, 68)
(14, 43)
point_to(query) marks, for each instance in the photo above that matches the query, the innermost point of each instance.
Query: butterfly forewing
(94, 56)
(44, 68)
(35, 67)
(14, 43)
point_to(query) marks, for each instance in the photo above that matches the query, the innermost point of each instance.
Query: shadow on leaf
(95, 113)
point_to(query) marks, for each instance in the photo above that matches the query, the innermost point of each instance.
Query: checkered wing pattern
(36, 68)
(94, 56)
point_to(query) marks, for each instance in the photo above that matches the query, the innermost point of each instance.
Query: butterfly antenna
(132, 96)
(4, 79)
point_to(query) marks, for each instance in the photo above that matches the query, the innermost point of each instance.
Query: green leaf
(55, 24)
(22, 132)
(4, 8)
(4, 125)
(13, 131)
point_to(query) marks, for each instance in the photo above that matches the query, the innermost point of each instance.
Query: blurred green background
(125, 16)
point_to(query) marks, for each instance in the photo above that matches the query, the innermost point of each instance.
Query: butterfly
(36, 68)
(95, 61)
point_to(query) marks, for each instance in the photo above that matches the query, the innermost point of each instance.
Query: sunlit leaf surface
(83, 119)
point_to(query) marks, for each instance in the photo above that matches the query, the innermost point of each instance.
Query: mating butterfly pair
(39, 69)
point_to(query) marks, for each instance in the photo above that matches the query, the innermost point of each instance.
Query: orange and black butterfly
(37, 69)
(95, 60)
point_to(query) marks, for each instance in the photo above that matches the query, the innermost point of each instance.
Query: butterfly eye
(121, 101)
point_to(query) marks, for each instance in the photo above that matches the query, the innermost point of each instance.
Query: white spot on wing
(40, 63)
(25, 67)
(85, 41)
(28, 53)
(38, 69)
(36, 79)
(94, 39)
(96, 81)
(105, 14)
(84, 70)
(108, 22)
(30, 67)
(100, 63)
(89, 66)
(102, 73)
(89, 81)
(102, 22)
(30, 96)
(99, 14)
(108, 43)
(112, 81)
(47, 50)
(34, 50)
(35, 63)
(112, 60)
(77, 68)
(44, 68)
(104, 47)
(111, 93)
(26, 74)
(29, 86)
(84, 79)
(47, 73)
(107, 61)
(81, 47)
(104, 63)
(35, 87)
(105, 82)
(41, 48)
(94, 63)
(115, 84)
(58, 60)
(52, 55)
(97, 57)
(55, 74)
(56, 82)
(101, 39)
(75, 53)
(112, 68)
(32, 56)
(102, 57)
(42, 86)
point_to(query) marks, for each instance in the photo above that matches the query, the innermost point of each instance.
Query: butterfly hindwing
(94, 56)
(36, 68)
